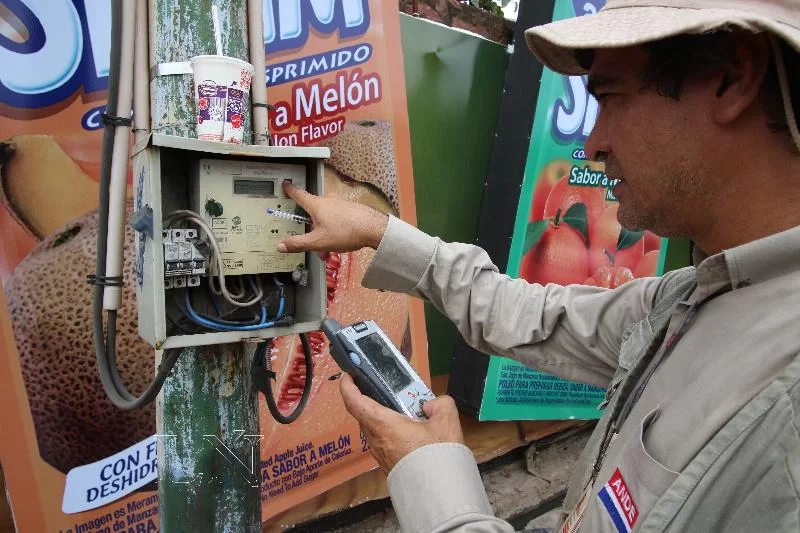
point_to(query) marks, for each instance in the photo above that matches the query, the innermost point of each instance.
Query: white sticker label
(102, 482)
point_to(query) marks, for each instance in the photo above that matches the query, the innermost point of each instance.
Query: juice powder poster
(334, 78)
(566, 232)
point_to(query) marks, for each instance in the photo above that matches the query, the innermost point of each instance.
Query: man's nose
(597, 147)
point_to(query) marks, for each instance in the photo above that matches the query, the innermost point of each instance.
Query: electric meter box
(230, 186)
(233, 196)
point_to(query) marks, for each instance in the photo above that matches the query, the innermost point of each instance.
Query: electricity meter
(233, 196)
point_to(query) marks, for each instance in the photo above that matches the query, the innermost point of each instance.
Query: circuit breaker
(184, 263)
(233, 197)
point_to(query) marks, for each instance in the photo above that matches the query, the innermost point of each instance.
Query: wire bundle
(105, 343)
(185, 214)
(105, 334)
(220, 324)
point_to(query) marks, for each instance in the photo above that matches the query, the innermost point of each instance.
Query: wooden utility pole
(207, 413)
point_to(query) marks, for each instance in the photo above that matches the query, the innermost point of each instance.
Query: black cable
(179, 304)
(177, 325)
(105, 345)
(105, 179)
(262, 355)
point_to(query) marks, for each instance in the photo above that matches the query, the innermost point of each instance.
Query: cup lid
(223, 59)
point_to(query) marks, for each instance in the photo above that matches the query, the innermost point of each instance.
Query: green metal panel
(454, 85)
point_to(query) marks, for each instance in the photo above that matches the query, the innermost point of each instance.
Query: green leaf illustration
(576, 218)
(533, 233)
(628, 238)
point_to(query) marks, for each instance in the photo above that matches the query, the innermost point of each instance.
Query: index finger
(303, 198)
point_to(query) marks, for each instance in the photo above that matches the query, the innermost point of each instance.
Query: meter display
(259, 187)
(233, 196)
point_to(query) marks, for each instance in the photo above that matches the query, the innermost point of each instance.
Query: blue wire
(225, 327)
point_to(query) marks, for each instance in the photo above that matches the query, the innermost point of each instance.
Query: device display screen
(385, 361)
(262, 188)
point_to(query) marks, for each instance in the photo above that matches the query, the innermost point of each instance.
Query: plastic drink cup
(222, 96)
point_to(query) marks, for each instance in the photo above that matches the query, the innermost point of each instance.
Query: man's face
(652, 143)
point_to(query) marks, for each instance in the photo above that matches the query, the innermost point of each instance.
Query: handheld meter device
(378, 368)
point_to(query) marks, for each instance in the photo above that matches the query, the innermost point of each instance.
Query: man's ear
(742, 77)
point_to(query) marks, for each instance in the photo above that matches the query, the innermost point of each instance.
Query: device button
(354, 358)
(421, 412)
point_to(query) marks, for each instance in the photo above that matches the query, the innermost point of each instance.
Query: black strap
(104, 281)
(630, 389)
(115, 121)
(260, 371)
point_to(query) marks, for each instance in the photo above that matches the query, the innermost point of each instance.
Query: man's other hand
(391, 435)
(339, 225)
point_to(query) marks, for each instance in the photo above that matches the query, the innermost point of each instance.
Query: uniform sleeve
(437, 488)
(573, 332)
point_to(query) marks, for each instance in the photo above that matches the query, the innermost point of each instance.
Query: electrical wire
(180, 302)
(186, 326)
(180, 324)
(239, 294)
(194, 317)
(262, 354)
(214, 301)
(185, 214)
(226, 327)
(105, 345)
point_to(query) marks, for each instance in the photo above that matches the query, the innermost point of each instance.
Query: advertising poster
(344, 90)
(566, 232)
(335, 79)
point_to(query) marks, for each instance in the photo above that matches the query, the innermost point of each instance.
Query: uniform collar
(764, 259)
(747, 264)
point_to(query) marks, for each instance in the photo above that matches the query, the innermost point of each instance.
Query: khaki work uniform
(701, 434)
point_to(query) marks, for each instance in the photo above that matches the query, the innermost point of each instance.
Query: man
(700, 429)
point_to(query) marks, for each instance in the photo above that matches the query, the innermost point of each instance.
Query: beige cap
(631, 22)
(622, 23)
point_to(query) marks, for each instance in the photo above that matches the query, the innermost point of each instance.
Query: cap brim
(555, 44)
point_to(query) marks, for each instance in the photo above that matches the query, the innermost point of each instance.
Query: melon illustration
(364, 152)
(50, 304)
(42, 185)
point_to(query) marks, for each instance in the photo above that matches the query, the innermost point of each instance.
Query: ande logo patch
(619, 504)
